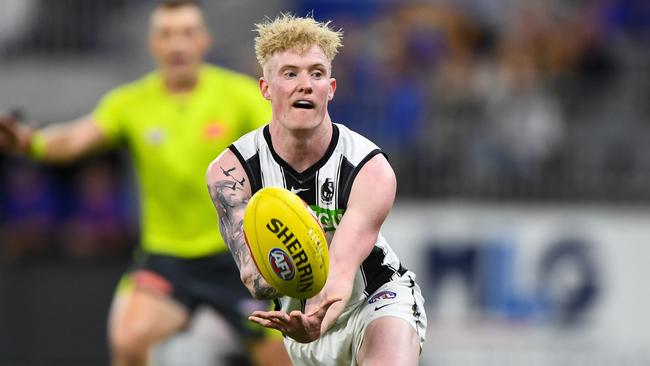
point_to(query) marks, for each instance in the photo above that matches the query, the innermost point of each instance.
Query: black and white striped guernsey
(326, 187)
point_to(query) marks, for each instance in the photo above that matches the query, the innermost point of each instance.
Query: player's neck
(301, 149)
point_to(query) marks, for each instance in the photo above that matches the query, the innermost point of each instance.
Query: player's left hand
(303, 328)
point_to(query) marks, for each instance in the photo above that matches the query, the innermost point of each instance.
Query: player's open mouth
(303, 104)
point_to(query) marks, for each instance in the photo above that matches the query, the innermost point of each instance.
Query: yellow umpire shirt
(172, 140)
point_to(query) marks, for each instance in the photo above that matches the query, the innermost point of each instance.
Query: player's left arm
(370, 201)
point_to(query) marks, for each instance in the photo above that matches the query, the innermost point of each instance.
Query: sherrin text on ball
(286, 242)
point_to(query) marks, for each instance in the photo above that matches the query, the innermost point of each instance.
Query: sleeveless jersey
(325, 187)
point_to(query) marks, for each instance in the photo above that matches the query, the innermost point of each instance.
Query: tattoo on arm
(230, 202)
(235, 182)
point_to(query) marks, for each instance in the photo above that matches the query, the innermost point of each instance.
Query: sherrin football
(286, 242)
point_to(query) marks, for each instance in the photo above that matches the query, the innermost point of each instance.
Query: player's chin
(302, 127)
(304, 120)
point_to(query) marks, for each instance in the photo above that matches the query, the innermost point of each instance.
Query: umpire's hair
(173, 4)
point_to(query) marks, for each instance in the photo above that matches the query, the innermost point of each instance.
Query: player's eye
(289, 74)
(317, 74)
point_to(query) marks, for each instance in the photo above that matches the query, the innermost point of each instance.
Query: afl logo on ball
(282, 264)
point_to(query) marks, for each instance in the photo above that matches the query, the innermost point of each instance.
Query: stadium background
(518, 130)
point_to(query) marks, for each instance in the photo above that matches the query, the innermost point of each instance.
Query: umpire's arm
(59, 142)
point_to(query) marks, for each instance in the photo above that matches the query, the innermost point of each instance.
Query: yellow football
(286, 242)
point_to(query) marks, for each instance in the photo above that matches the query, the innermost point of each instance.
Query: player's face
(178, 40)
(299, 86)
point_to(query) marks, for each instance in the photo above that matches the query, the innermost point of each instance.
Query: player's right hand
(303, 328)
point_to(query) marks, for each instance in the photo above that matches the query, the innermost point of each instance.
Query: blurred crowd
(53, 26)
(500, 99)
(81, 211)
(480, 99)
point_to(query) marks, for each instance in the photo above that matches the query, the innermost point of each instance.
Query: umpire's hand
(14, 136)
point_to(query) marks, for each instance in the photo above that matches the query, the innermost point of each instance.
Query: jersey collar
(307, 173)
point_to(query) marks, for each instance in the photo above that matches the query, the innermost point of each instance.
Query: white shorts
(399, 298)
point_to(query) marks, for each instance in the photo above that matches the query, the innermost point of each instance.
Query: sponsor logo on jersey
(281, 264)
(383, 306)
(329, 219)
(327, 191)
(298, 254)
(382, 295)
(298, 190)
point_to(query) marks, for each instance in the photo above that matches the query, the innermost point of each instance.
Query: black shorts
(213, 280)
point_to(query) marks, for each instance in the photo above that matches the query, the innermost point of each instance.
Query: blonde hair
(287, 32)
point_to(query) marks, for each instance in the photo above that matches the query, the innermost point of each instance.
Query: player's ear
(330, 94)
(264, 88)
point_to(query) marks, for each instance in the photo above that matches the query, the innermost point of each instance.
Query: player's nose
(304, 84)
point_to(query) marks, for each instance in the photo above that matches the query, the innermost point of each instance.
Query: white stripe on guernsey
(337, 181)
(363, 276)
(274, 173)
(317, 188)
(328, 171)
(353, 146)
(247, 144)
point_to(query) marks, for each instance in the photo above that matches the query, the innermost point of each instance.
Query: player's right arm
(230, 191)
(58, 142)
